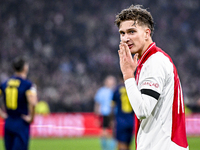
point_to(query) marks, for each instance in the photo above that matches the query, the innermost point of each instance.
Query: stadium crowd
(72, 45)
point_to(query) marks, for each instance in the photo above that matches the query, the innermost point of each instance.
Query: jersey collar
(146, 52)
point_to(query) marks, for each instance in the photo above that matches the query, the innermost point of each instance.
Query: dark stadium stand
(72, 45)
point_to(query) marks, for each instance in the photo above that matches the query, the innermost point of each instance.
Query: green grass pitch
(83, 143)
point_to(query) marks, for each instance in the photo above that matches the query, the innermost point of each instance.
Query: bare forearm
(32, 112)
(30, 117)
(3, 114)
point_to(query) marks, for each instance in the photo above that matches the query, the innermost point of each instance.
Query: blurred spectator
(73, 44)
(42, 108)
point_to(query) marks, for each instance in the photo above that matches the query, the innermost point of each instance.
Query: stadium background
(72, 46)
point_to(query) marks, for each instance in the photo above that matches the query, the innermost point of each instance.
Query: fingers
(125, 49)
(135, 58)
(119, 52)
(27, 118)
(122, 51)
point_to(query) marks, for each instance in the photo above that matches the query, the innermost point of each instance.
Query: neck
(148, 43)
(21, 74)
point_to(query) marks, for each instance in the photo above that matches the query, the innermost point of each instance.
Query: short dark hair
(137, 14)
(18, 63)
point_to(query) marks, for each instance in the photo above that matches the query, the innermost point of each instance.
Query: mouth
(130, 46)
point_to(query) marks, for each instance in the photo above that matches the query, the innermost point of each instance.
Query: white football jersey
(157, 100)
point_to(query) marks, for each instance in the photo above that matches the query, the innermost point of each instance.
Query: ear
(147, 33)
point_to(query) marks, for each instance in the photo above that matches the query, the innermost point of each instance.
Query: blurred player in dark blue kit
(124, 117)
(20, 98)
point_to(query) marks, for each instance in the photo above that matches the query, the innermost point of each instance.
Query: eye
(132, 31)
(122, 33)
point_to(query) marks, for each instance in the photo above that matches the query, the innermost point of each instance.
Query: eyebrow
(134, 28)
(120, 31)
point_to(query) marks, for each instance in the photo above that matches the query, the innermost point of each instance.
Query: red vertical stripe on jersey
(178, 114)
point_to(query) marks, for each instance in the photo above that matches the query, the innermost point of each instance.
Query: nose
(125, 38)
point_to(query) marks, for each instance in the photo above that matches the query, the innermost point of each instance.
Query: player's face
(111, 82)
(133, 35)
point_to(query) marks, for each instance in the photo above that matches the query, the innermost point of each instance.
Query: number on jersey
(12, 94)
(125, 104)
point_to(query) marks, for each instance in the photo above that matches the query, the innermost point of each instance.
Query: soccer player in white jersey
(155, 92)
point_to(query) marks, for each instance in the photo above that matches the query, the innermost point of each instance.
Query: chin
(133, 51)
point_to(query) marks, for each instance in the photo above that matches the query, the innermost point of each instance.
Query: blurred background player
(103, 100)
(124, 116)
(20, 98)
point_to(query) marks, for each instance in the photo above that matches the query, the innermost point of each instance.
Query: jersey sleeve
(32, 90)
(145, 96)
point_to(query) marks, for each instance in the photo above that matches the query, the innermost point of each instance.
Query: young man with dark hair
(20, 98)
(155, 92)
